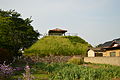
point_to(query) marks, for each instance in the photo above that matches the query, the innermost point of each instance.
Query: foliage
(76, 60)
(65, 71)
(5, 55)
(49, 67)
(15, 32)
(57, 45)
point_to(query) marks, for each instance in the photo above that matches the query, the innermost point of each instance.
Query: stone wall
(49, 59)
(103, 60)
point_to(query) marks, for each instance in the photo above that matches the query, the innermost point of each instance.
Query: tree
(16, 32)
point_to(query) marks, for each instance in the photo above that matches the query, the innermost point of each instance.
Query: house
(57, 32)
(111, 48)
(95, 52)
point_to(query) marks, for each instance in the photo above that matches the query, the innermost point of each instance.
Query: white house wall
(91, 53)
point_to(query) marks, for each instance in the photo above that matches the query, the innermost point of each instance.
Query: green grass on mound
(58, 45)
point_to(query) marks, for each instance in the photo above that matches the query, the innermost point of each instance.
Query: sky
(96, 21)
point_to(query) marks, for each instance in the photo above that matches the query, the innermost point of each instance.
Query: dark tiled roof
(118, 42)
(117, 39)
(106, 44)
(109, 43)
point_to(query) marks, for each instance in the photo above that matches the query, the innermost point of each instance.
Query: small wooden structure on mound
(56, 32)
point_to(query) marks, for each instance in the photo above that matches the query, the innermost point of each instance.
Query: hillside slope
(58, 45)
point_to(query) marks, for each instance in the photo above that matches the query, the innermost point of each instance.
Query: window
(112, 54)
(98, 54)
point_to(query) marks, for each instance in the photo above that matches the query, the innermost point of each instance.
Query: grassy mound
(58, 45)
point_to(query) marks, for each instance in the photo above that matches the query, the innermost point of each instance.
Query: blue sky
(96, 21)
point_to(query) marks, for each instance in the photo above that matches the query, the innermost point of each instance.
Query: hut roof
(57, 30)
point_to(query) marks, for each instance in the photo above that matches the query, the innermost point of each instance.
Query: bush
(76, 60)
(5, 55)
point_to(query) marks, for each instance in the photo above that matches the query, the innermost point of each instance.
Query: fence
(66, 34)
(103, 60)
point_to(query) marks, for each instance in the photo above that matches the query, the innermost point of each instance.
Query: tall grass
(58, 45)
(65, 71)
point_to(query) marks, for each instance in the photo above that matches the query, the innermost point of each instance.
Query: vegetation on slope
(58, 45)
(76, 39)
